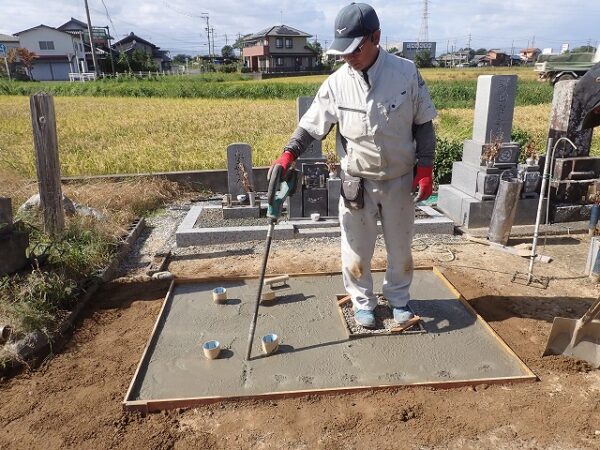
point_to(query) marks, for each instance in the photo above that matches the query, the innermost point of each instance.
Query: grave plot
(205, 224)
(315, 354)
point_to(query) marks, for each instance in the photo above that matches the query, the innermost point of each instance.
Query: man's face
(365, 54)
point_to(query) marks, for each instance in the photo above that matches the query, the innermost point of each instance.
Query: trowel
(579, 338)
(281, 186)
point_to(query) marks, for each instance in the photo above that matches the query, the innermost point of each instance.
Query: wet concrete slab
(315, 353)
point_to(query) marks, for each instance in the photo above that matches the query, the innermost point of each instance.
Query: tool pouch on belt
(353, 191)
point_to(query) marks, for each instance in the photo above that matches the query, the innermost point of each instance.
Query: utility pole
(205, 16)
(212, 32)
(89, 24)
(512, 51)
(112, 58)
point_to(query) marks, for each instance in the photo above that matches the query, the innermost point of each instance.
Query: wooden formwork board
(152, 405)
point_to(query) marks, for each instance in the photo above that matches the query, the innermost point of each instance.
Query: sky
(179, 25)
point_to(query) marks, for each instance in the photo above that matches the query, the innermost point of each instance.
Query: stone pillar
(565, 120)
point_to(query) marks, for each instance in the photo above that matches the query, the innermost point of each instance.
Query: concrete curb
(188, 235)
(36, 346)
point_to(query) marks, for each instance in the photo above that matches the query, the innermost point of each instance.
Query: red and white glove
(286, 160)
(423, 179)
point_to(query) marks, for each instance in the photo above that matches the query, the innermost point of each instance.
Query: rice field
(186, 123)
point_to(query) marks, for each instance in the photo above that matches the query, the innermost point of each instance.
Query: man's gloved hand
(423, 179)
(285, 161)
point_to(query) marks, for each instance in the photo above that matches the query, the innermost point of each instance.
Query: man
(383, 112)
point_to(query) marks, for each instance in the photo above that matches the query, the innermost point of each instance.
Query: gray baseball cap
(352, 24)
(587, 91)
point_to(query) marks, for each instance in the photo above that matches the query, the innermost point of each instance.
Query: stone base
(12, 249)
(507, 157)
(477, 181)
(237, 212)
(569, 213)
(467, 211)
(334, 187)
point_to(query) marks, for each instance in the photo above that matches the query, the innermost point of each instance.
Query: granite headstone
(566, 117)
(239, 165)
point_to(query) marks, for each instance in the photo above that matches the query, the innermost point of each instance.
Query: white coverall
(376, 119)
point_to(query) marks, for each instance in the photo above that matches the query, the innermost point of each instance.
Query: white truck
(568, 66)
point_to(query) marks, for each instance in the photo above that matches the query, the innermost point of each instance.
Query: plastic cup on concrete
(315, 217)
(211, 349)
(270, 343)
(219, 295)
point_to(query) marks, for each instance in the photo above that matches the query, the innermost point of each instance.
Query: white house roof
(41, 26)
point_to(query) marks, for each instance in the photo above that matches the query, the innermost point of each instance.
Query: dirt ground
(74, 400)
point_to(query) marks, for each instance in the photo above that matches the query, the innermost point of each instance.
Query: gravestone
(314, 150)
(313, 154)
(566, 117)
(314, 192)
(468, 200)
(237, 154)
(572, 167)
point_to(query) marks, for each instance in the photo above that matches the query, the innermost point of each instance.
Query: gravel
(158, 238)
(384, 320)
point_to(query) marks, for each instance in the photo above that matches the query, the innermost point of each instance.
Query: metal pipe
(260, 286)
(550, 149)
(538, 216)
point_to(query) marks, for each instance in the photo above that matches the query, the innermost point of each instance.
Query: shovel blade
(587, 347)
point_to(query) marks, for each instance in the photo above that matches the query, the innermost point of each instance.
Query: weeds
(36, 301)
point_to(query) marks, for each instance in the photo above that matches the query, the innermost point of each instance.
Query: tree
(227, 52)
(181, 58)
(24, 56)
(317, 50)
(239, 44)
(423, 59)
(393, 50)
(137, 61)
(584, 49)
(481, 51)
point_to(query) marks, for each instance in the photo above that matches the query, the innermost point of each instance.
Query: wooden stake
(43, 122)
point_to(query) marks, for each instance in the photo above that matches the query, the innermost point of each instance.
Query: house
(496, 58)
(101, 38)
(529, 55)
(9, 41)
(278, 49)
(132, 42)
(57, 52)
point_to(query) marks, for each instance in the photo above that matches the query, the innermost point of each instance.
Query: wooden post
(47, 163)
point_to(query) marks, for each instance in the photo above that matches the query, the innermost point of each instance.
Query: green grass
(449, 88)
(38, 299)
